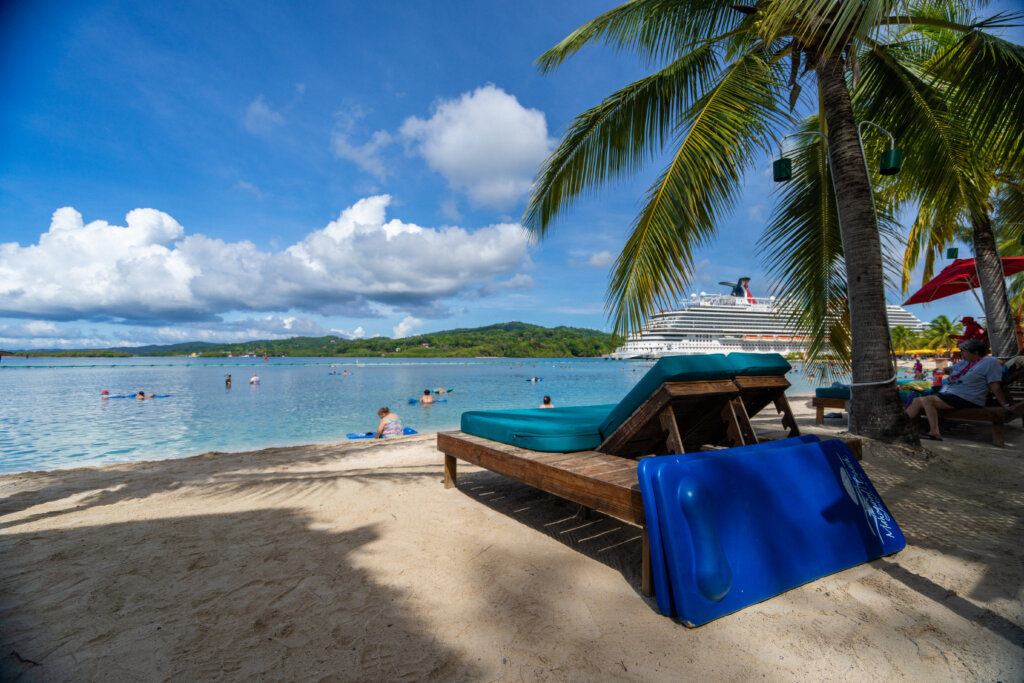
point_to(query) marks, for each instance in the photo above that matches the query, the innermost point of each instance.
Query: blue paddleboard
(740, 528)
(436, 400)
(662, 588)
(369, 435)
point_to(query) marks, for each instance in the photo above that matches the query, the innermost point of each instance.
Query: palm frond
(723, 130)
(803, 250)
(653, 29)
(929, 235)
(986, 76)
(618, 135)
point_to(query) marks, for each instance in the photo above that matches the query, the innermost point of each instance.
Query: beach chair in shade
(585, 454)
(739, 526)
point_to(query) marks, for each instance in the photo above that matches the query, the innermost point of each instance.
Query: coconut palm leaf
(803, 248)
(978, 66)
(655, 30)
(618, 135)
(722, 133)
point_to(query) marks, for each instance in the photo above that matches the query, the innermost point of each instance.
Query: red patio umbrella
(959, 276)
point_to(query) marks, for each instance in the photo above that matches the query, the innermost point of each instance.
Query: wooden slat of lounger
(759, 391)
(615, 495)
(641, 433)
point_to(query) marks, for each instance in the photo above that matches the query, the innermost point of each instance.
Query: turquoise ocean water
(52, 416)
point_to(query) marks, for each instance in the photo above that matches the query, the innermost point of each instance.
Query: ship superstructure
(723, 323)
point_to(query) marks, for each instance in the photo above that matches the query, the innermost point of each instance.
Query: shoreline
(351, 561)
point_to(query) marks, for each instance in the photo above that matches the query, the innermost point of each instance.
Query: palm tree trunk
(876, 410)
(1002, 333)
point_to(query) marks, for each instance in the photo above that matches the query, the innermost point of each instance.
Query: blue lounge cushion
(758, 364)
(552, 430)
(833, 392)
(741, 526)
(668, 369)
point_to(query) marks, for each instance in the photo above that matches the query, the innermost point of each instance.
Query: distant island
(505, 340)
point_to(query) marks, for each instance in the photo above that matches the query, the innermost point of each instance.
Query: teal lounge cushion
(668, 369)
(755, 364)
(554, 430)
(833, 392)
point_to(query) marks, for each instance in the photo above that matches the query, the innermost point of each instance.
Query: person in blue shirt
(970, 380)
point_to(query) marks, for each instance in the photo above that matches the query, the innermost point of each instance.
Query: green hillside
(508, 340)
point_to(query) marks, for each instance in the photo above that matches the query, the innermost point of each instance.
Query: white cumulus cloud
(407, 325)
(150, 270)
(484, 143)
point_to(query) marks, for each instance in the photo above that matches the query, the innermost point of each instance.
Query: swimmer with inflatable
(142, 396)
(426, 398)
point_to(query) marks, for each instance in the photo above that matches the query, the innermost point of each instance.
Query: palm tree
(959, 163)
(720, 101)
(942, 332)
(903, 338)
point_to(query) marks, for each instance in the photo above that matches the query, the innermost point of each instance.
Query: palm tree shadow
(249, 595)
(283, 471)
(613, 543)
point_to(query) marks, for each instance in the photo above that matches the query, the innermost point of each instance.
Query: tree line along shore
(505, 340)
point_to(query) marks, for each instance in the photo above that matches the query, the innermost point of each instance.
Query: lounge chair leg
(819, 414)
(998, 434)
(673, 440)
(646, 571)
(739, 432)
(449, 471)
(856, 447)
(788, 421)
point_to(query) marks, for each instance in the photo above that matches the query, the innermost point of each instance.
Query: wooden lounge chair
(761, 380)
(682, 404)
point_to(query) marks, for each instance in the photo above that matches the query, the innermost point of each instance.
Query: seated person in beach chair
(970, 382)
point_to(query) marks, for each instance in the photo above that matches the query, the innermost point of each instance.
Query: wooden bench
(995, 414)
(820, 403)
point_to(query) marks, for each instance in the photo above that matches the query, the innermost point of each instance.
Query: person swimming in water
(426, 397)
(227, 381)
(546, 403)
(142, 395)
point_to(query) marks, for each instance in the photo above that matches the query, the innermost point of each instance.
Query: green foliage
(904, 338)
(505, 340)
(942, 333)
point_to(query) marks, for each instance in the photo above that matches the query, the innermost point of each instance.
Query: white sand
(353, 562)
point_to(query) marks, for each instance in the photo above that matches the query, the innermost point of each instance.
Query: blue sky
(222, 171)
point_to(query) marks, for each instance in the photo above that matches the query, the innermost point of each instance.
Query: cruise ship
(722, 323)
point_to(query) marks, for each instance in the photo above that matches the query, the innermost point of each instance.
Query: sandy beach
(352, 562)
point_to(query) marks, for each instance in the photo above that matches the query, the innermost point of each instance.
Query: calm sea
(52, 416)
